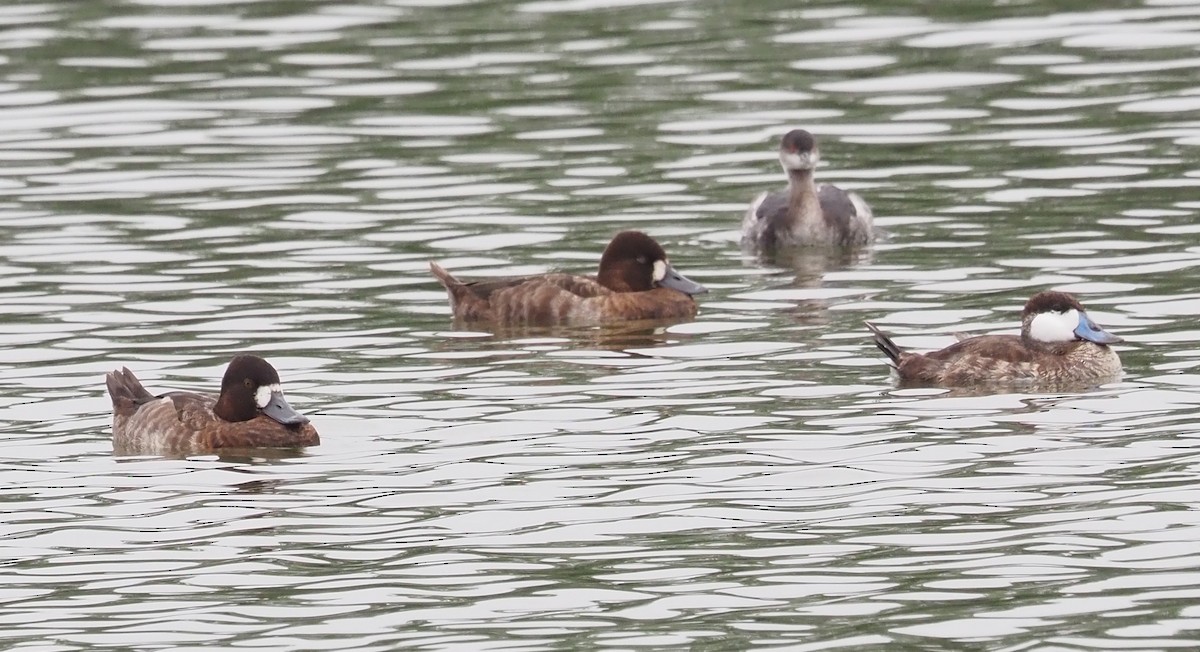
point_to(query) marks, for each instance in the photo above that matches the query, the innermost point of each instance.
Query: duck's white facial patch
(1054, 326)
(660, 270)
(798, 161)
(263, 395)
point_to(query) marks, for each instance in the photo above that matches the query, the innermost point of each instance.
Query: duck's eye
(248, 383)
(641, 260)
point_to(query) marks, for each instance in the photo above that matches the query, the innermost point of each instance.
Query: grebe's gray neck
(801, 179)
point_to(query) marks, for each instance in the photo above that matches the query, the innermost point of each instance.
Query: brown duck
(250, 412)
(1059, 345)
(635, 282)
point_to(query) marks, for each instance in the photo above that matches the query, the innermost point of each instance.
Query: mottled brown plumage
(180, 423)
(1013, 359)
(635, 282)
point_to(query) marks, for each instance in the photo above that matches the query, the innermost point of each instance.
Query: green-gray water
(186, 179)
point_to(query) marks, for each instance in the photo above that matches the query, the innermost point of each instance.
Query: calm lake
(187, 179)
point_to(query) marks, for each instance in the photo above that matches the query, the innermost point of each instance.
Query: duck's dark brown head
(251, 387)
(798, 151)
(634, 262)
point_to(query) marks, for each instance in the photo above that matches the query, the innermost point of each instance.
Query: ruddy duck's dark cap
(1051, 301)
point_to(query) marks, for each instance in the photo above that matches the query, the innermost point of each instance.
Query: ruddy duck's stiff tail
(444, 277)
(126, 391)
(454, 287)
(885, 344)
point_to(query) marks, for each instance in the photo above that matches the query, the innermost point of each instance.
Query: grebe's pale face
(798, 151)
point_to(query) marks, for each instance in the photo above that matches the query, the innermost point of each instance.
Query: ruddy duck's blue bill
(676, 281)
(278, 409)
(1088, 330)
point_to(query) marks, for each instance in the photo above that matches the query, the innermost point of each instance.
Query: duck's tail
(126, 391)
(454, 287)
(445, 278)
(885, 344)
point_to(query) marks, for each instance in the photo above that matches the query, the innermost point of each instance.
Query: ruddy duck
(635, 282)
(249, 413)
(1058, 345)
(805, 214)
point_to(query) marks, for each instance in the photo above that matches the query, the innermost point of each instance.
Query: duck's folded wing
(156, 425)
(836, 203)
(1003, 348)
(541, 301)
(583, 287)
(772, 206)
(486, 288)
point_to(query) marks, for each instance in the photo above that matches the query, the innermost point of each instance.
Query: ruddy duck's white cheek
(660, 270)
(262, 396)
(1054, 326)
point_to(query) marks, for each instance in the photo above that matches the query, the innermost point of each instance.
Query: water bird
(806, 214)
(250, 412)
(1059, 345)
(635, 282)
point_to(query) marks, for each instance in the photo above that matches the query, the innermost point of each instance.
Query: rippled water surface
(186, 179)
